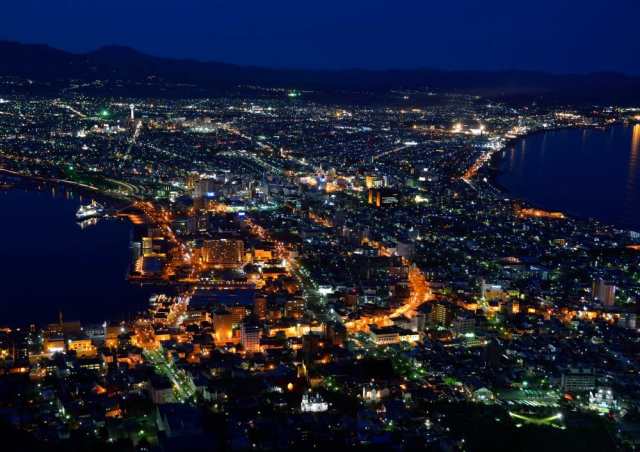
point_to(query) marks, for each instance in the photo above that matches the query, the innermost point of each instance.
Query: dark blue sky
(551, 35)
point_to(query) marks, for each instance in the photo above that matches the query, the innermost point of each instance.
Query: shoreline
(13, 181)
(87, 283)
(492, 172)
(27, 182)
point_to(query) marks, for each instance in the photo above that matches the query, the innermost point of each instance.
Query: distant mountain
(45, 64)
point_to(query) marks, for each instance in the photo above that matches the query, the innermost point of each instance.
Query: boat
(84, 224)
(90, 211)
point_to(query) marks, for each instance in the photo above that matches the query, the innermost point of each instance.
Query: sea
(588, 173)
(49, 265)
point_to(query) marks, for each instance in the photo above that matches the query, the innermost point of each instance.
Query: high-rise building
(604, 292)
(439, 314)
(223, 325)
(260, 307)
(238, 313)
(250, 337)
(192, 179)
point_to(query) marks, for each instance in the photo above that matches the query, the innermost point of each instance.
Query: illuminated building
(440, 314)
(368, 181)
(294, 330)
(153, 246)
(111, 335)
(313, 403)
(82, 346)
(223, 252)
(371, 181)
(409, 336)
(604, 292)
(54, 344)
(513, 307)
(382, 197)
(238, 313)
(578, 380)
(602, 400)
(250, 337)
(147, 246)
(93, 364)
(389, 335)
(223, 325)
(294, 307)
(260, 307)
(373, 394)
(262, 254)
(483, 395)
(191, 180)
(491, 292)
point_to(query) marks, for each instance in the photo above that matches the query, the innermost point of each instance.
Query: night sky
(550, 35)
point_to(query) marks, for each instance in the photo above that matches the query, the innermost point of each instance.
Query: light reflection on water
(588, 173)
(49, 264)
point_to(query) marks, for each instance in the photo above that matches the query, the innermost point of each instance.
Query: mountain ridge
(44, 63)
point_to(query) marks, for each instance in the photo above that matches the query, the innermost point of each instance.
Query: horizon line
(315, 69)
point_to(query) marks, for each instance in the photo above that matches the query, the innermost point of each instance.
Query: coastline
(28, 181)
(492, 171)
(11, 180)
(80, 272)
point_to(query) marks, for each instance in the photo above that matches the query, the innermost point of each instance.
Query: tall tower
(133, 112)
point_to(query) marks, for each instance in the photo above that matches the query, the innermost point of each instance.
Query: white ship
(90, 211)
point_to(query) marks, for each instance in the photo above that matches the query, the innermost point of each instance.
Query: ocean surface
(583, 172)
(49, 264)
